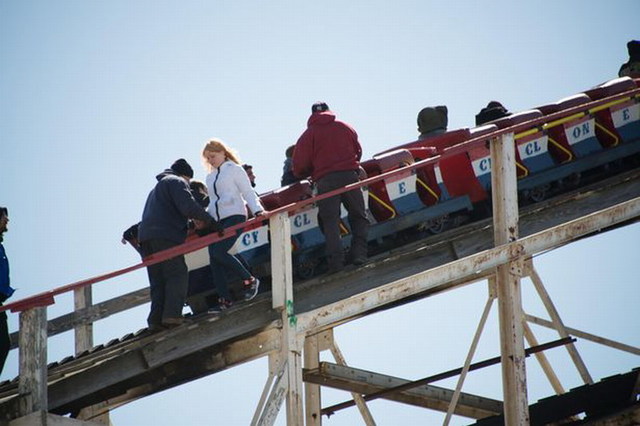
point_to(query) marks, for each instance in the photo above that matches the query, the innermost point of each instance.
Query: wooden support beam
(331, 314)
(283, 300)
(32, 384)
(427, 396)
(360, 402)
(92, 313)
(559, 325)
(504, 190)
(276, 395)
(42, 418)
(441, 376)
(82, 299)
(587, 336)
(543, 361)
(472, 350)
(312, 396)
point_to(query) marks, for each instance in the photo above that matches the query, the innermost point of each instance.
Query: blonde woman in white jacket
(230, 193)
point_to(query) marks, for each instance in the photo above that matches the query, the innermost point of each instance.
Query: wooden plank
(367, 417)
(312, 404)
(504, 192)
(428, 396)
(343, 310)
(467, 363)
(92, 313)
(32, 385)
(587, 336)
(559, 325)
(543, 361)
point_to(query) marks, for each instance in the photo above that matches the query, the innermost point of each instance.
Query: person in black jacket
(631, 68)
(164, 224)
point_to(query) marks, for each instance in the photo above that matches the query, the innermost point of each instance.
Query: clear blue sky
(98, 97)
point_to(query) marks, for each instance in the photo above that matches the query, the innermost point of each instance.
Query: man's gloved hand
(206, 228)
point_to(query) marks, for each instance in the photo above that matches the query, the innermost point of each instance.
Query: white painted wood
(263, 398)
(276, 396)
(429, 396)
(282, 291)
(360, 402)
(32, 384)
(543, 361)
(281, 269)
(587, 336)
(312, 395)
(559, 326)
(505, 230)
(467, 362)
(323, 318)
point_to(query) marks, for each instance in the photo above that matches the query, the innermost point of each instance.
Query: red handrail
(47, 298)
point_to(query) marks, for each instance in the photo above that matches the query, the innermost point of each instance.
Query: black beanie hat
(319, 107)
(182, 168)
(634, 49)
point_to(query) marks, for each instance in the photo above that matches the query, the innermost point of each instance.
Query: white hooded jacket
(230, 192)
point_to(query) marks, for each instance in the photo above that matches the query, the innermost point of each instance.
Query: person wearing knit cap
(631, 68)
(432, 121)
(182, 168)
(492, 111)
(330, 153)
(164, 224)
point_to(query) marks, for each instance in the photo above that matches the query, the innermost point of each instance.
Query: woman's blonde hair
(216, 145)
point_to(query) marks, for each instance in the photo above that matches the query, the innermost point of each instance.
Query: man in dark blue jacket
(5, 290)
(164, 225)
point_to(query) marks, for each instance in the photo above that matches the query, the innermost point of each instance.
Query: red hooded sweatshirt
(328, 145)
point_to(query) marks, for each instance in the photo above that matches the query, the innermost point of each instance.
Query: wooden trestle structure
(293, 327)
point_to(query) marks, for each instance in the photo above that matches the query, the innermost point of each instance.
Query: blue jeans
(220, 259)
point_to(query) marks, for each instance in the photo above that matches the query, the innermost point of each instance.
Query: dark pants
(169, 281)
(221, 260)
(5, 341)
(329, 213)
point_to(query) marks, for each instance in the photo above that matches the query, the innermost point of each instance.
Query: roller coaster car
(618, 121)
(456, 183)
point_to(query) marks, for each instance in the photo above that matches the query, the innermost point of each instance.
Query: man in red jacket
(329, 152)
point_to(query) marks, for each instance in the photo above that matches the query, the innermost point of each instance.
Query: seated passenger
(432, 121)
(287, 170)
(492, 111)
(632, 67)
(248, 168)
(199, 192)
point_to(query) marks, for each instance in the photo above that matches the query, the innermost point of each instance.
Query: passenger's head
(248, 168)
(634, 50)
(215, 152)
(182, 168)
(199, 192)
(433, 118)
(319, 107)
(289, 152)
(492, 111)
(4, 221)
